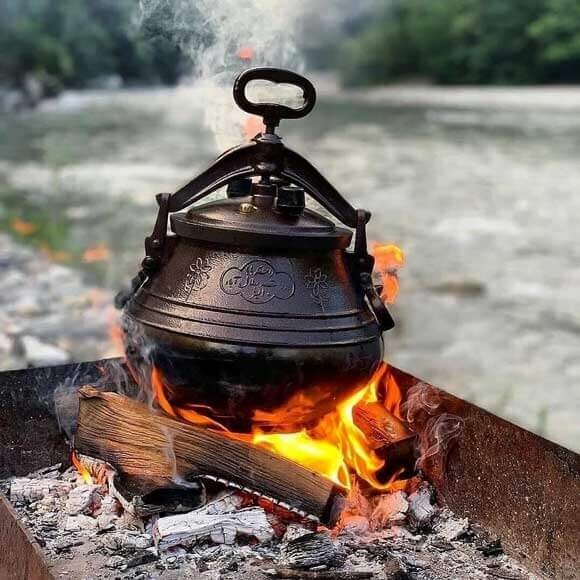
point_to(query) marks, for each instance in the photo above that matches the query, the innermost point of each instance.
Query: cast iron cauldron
(254, 299)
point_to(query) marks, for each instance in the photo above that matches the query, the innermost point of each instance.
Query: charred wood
(24, 489)
(312, 550)
(220, 521)
(322, 574)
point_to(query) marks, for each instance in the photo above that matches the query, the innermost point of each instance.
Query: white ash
(84, 499)
(421, 507)
(25, 489)
(113, 543)
(390, 508)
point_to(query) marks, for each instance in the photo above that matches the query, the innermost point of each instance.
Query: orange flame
(335, 447)
(388, 260)
(83, 471)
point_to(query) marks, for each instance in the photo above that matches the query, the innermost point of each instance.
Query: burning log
(389, 438)
(151, 450)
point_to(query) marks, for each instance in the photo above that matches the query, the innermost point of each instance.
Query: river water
(481, 195)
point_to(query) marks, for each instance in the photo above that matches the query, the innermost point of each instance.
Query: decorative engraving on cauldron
(257, 282)
(198, 276)
(317, 281)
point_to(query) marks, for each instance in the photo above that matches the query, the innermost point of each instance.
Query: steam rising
(224, 37)
(212, 33)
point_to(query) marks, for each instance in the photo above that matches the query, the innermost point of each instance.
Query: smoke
(223, 37)
(426, 414)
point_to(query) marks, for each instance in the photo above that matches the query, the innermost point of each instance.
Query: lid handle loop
(272, 113)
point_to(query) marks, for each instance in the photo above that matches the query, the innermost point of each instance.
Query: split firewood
(380, 427)
(27, 490)
(151, 450)
(220, 521)
(312, 550)
(389, 438)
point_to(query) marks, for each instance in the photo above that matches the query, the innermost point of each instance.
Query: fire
(83, 471)
(388, 260)
(335, 447)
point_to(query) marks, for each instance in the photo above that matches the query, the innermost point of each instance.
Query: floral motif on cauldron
(317, 281)
(198, 275)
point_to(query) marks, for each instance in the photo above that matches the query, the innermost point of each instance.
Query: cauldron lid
(241, 222)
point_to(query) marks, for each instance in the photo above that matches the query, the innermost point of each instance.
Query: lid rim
(221, 232)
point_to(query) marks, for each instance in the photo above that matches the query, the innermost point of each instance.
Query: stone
(40, 353)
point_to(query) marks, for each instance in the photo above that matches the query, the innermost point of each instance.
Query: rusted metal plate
(516, 484)
(20, 556)
(29, 434)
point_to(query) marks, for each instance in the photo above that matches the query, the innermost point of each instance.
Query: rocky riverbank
(48, 315)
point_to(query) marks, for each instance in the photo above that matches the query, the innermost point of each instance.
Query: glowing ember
(83, 471)
(388, 260)
(335, 447)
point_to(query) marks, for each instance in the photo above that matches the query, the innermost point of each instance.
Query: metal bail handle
(365, 265)
(272, 113)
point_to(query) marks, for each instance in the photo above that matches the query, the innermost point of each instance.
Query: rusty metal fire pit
(517, 485)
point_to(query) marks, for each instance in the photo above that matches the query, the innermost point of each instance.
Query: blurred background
(456, 122)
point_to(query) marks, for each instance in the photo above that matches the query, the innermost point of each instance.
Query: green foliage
(468, 41)
(558, 33)
(71, 42)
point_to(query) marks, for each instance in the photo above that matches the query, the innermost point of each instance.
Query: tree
(71, 42)
(468, 42)
(558, 33)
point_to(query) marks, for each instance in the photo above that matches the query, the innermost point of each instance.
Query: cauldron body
(254, 302)
(240, 329)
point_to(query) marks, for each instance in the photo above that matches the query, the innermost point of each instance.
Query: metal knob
(290, 200)
(239, 188)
